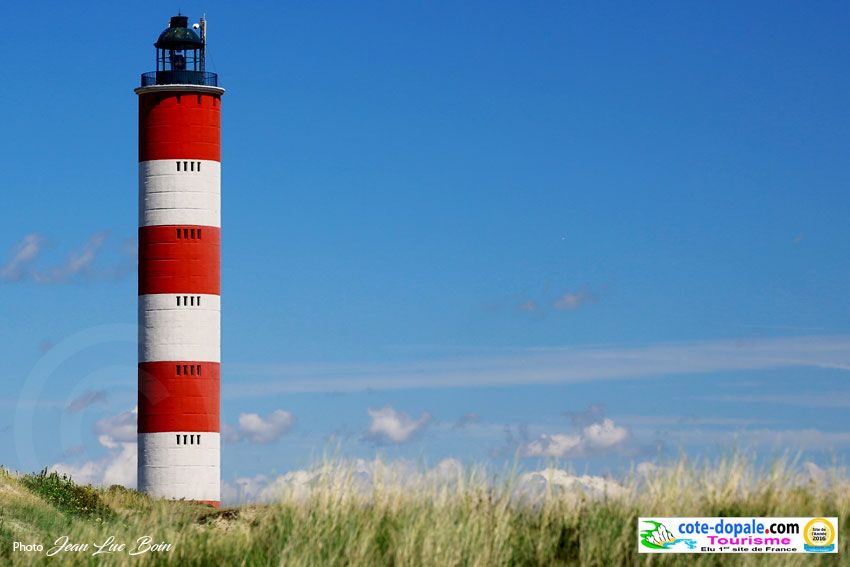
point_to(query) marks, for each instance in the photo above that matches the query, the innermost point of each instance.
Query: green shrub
(121, 490)
(69, 497)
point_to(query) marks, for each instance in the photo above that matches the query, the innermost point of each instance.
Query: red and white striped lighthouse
(179, 270)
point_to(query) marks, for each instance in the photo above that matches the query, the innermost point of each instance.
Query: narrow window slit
(185, 233)
(178, 439)
(185, 166)
(185, 370)
(192, 165)
(192, 369)
(178, 166)
(178, 301)
(178, 370)
(178, 233)
(192, 232)
(199, 234)
(199, 166)
(185, 438)
(199, 370)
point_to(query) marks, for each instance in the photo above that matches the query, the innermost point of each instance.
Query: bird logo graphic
(659, 537)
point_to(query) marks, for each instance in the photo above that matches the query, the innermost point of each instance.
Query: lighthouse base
(180, 465)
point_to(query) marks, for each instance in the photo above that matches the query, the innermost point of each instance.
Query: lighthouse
(179, 270)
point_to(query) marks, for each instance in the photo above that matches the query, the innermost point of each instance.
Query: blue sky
(600, 233)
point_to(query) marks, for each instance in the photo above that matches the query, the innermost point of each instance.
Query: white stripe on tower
(179, 327)
(171, 196)
(187, 470)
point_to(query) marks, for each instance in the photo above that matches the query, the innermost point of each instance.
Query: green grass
(6, 539)
(469, 521)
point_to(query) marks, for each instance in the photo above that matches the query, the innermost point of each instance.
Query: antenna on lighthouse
(203, 26)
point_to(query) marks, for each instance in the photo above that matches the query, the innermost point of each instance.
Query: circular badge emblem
(819, 532)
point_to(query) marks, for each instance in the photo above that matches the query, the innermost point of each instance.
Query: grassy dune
(467, 521)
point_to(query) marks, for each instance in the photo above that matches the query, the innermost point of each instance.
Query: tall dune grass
(468, 519)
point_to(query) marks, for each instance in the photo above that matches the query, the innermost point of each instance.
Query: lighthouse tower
(179, 270)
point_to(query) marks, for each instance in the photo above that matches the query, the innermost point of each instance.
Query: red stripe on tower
(179, 270)
(179, 258)
(178, 396)
(180, 124)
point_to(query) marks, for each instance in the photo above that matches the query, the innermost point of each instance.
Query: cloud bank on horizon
(548, 365)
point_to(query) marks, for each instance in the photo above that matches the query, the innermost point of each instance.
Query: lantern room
(180, 56)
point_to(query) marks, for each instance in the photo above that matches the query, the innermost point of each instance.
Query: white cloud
(117, 429)
(252, 427)
(245, 489)
(604, 434)
(815, 473)
(78, 264)
(229, 434)
(84, 400)
(563, 482)
(90, 472)
(259, 430)
(819, 477)
(573, 300)
(23, 254)
(594, 438)
(557, 445)
(119, 466)
(391, 425)
(646, 468)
